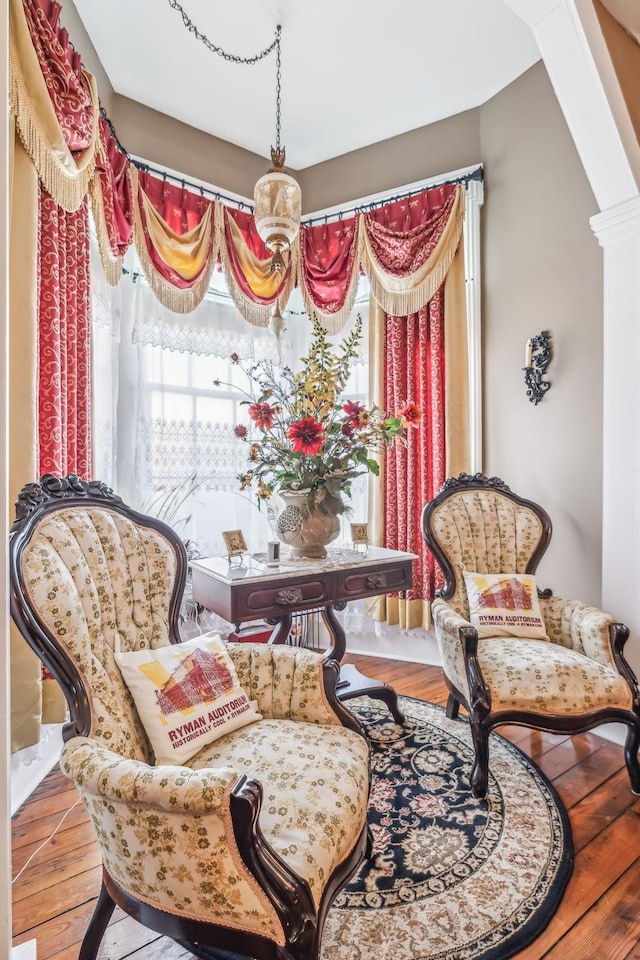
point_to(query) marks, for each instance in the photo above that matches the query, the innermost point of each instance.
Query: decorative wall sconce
(536, 359)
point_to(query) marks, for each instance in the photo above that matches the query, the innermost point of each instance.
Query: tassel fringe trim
(174, 298)
(111, 264)
(67, 188)
(400, 303)
(257, 314)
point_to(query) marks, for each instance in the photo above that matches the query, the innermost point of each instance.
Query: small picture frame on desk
(235, 543)
(360, 535)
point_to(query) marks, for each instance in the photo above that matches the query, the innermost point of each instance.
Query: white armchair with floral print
(243, 847)
(572, 680)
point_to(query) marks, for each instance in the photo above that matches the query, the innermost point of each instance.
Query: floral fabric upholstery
(485, 532)
(558, 678)
(315, 789)
(100, 582)
(286, 687)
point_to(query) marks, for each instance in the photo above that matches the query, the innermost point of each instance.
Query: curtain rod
(166, 175)
(477, 175)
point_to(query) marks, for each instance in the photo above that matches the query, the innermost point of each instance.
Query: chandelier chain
(278, 76)
(230, 57)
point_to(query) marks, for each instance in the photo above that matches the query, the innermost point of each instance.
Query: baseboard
(423, 649)
(31, 765)
(24, 951)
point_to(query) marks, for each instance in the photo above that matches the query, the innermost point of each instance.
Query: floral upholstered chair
(243, 846)
(511, 653)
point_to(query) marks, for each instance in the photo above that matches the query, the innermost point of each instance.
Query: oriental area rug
(451, 877)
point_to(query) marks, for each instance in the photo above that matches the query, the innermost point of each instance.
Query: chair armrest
(448, 625)
(99, 772)
(167, 837)
(571, 623)
(287, 682)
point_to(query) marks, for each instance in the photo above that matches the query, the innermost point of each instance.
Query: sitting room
(334, 440)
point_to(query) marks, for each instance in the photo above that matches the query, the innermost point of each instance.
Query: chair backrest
(476, 523)
(90, 575)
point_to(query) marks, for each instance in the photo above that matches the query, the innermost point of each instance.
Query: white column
(618, 232)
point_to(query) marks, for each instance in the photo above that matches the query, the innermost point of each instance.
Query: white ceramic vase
(305, 530)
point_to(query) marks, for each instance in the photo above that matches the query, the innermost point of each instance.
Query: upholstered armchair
(241, 848)
(570, 678)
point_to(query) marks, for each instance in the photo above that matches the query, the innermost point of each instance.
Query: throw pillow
(187, 695)
(504, 605)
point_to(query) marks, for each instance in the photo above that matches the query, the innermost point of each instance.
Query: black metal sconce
(537, 359)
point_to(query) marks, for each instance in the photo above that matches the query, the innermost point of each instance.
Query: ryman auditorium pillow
(187, 695)
(504, 605)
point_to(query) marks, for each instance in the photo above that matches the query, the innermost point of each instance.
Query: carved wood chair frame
(482, 719)
(289, 894)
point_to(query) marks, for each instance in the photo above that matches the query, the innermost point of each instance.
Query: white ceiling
(354, 72)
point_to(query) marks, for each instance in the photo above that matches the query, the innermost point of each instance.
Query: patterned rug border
(539, 920)
(543, 916)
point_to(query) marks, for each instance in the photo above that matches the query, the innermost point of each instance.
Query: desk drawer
(280, 599)
(379, 580)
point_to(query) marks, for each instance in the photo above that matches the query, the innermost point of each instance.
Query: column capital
(617, 223)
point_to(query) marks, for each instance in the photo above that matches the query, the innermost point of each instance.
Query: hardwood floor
(598, 918)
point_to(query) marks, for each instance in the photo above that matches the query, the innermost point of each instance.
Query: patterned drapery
(112, 204)
(64, 338)
(414, 369)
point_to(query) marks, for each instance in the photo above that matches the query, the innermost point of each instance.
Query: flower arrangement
(309, 439)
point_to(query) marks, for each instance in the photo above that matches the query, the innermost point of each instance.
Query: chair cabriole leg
(453, 707)
(480, 771)
(631, 745)
(97, 926)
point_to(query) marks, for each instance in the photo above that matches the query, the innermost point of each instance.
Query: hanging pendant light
(277, 196)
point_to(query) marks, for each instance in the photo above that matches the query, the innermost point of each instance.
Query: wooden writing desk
(251, 590)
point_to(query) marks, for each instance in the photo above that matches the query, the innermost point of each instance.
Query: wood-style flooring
(598, 918)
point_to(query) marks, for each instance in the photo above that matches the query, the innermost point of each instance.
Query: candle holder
(537, 359)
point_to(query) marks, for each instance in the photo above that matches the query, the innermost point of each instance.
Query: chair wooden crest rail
(575, 682)
(244, 847)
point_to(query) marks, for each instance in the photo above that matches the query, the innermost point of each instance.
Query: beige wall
(169, 143)
(427, 152)
(542, 269)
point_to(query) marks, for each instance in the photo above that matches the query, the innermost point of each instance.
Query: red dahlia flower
(262, 415)
(307, 435)
(240, 431)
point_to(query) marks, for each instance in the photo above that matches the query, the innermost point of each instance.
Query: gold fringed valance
(111, 265)
(405, 247)
(248, 279)
(65, 176)
(189, 256)
(403, 295)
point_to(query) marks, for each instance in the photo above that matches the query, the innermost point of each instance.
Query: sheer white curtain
(163, 432)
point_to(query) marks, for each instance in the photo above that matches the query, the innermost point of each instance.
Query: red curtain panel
(64, 340)
(414, 370)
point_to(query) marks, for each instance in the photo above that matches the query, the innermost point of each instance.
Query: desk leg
(338, 641)
(352, 683)
(282, 628)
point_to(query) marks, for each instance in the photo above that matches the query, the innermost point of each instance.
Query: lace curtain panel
(163, 432)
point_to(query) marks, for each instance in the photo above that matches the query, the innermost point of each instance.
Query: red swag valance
(405, 247)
